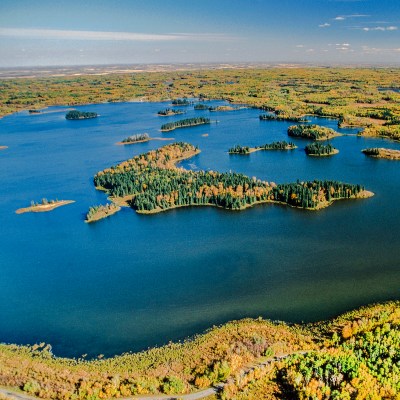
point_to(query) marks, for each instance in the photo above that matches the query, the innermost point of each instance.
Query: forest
(319, 149)
(155, 185)
(275, 117)
(139, 137)
(280, 145)
(184, 123)
(355, 96)
(74, 115)
(314, 132)
(181, 102)
(169, 111)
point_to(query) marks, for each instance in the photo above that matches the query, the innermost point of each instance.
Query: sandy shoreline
(144, 141)
(44, 207)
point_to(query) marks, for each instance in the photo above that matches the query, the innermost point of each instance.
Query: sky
(86, 32)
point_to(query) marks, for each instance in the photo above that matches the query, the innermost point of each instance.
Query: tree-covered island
(181, 102)
(138, 138)
(169, 112)
(314, 132)
(380, 152)
(184, 123)
(281, 145)
(320, 150)
(151, 183)
(77, 115)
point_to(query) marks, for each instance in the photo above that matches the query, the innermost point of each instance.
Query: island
(180, 102)
(44, 206)
(140, 138)
(320, 150)
(168, 112)
(314, 132)
(78, 115)
(184, 123)
(151, 183)
(380, 152)
(281, 145)
(96, 213)
(3, 147)
(225, 108)
(275, 117)
(201, 106)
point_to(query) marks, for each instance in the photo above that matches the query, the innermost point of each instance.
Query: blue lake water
(133, 281)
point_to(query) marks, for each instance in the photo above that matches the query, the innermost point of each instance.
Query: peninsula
(77, 115)
(320, 150)
(314, 132)
(282, 145)
(380, 152)
(96, 213)
(151, 183)
(184, 123)
(44, 206)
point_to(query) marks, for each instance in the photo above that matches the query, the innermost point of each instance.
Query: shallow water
(132, 281)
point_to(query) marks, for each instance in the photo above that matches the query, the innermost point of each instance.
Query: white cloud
(380, 28)
(100, 36)
(325, 25)
(300, 46)
(339, 18)
(343, 17)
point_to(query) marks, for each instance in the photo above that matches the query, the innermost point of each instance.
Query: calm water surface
(133, 281)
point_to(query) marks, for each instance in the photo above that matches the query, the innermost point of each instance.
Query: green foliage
(180, 102)
(314, 132)
(170, 111)
(281, 145)
(201, 106)
(183, 123)
(75, 115)
(274, 117)
(173, 385)
(319, 149)
(136, 138)
(239, 150)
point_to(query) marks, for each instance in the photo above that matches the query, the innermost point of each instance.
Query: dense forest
(184, 123)
(314, 132)
(319, 149)
(181, 102)
(74, 114)
(355, 356)
(201, 106)
(155, 185)
(239, 149)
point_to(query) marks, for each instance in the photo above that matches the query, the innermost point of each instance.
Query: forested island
(201, 106)
(184, 123)
(168, 112)
(320, 150)
(380, 152)
(151, 183)
(353, 356)
(138, 138)
(44, 206)
(181, 102)
(314, 132)
(281, 145)
(96, 213)
(275, 117)
(76, 115)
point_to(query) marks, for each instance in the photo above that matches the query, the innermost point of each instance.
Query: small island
(3, 147)
(44, 206)
(201, 106)
(151, 183)
(181, 102)
(96, 213)
(320, 150)
(169, 112)
(380, 152)
(225, 108)
(314, 132)
(275, 117)
(282, 145)
(184, 123)
(78, 115)
(138, 138)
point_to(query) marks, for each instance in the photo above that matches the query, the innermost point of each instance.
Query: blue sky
(58, 32)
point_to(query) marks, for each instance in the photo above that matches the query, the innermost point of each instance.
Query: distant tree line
(170, 111)
(136, 138)
(180, 102)
(274, 117)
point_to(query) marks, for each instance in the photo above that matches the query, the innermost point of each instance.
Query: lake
(132, 281)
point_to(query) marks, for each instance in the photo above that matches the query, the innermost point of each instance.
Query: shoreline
(384, 154)
(185, 126)
(44, 207)
(3, 147)
(335, 151)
